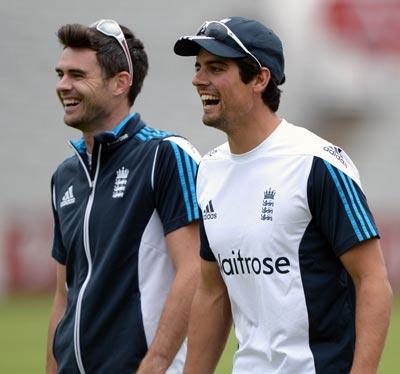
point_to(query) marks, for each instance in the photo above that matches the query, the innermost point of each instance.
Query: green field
(23, 330)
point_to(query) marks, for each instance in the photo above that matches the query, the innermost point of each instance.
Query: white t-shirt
(276, 219)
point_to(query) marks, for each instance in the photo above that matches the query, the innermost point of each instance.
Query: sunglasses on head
(219, 31)
(111, 28)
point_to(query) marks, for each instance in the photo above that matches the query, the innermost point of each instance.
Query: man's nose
(63, 84)
(200, 78)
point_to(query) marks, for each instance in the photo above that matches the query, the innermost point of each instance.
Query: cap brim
(190, 46)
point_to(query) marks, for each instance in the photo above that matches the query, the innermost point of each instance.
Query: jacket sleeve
(174, 184)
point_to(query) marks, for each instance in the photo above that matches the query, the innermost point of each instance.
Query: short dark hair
(109, 53)
(248, 69)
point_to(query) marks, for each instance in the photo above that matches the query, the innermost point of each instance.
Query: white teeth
(70, 102)
(208, 97)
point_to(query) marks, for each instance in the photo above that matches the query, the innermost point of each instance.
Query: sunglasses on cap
(110, 27)
(219, 31)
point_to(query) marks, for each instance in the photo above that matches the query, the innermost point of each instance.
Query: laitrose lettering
(237, 264)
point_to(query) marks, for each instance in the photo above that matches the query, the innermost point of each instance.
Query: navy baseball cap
(237, 37)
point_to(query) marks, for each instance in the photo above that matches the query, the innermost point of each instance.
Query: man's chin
(74, 123)
(212, 122)
(209, 121)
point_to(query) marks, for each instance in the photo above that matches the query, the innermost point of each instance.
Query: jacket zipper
(86, 245)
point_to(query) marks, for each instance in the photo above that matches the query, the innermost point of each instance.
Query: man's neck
(106, 125)
(247, 136)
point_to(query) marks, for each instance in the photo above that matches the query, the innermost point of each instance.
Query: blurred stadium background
(343, 82)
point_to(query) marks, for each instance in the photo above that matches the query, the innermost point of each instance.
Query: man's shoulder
(148, 134)
(70, 162)
(153, 137)
(184, 144)
(221, 152)
(212, 165)
(301, 141)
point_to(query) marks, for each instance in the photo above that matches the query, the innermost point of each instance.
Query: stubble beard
(74, 123)
(83, 122)
(219, 123)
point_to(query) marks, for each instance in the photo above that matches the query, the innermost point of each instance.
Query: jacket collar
(128, 127)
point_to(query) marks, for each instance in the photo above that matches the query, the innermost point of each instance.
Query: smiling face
(227, 101)
(82, 89)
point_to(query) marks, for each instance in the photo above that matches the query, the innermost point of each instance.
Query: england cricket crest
(120, 182)
(267, 206)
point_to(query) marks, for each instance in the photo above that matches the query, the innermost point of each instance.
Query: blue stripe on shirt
(353, 204)
(140, 136)
(364, 213)
(148, 133)
(183, 180)
(344, 201)
(192, 185)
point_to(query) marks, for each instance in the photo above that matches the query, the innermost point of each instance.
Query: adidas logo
(68, 197)
(208, 211)
(336, 152)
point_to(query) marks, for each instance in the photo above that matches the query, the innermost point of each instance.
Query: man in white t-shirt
(289, 247)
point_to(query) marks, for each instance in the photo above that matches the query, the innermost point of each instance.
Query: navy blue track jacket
(111, 219)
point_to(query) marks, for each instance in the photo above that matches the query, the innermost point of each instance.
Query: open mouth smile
(209, 100)
(70, 104)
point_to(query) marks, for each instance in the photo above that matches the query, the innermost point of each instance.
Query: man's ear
(121, 83)
(261, 79)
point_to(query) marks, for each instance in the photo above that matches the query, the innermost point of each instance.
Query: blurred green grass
(23, 334)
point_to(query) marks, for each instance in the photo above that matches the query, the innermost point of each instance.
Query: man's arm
(365, 264)
(59, 305)
(183, 245)
(210, 321)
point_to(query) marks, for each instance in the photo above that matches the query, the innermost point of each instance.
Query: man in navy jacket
(125, 212)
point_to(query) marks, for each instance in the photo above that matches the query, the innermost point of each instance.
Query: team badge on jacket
(267, 207)
(120, 183)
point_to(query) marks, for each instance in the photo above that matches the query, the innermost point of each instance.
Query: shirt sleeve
(339, 207)
(174, 186)
(58, 249)
(205, 250)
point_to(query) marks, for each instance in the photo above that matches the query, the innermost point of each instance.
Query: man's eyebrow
(218, 61)
(73, 71)
(223, 61)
